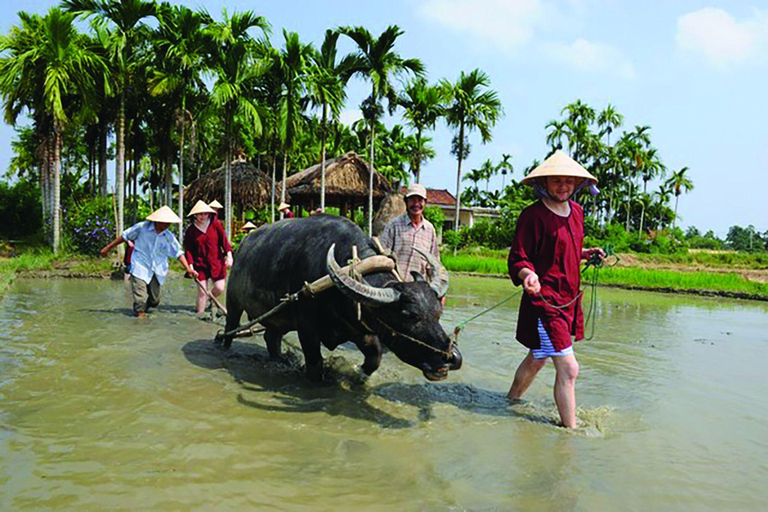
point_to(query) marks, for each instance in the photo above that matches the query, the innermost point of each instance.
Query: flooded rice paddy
(99, 411)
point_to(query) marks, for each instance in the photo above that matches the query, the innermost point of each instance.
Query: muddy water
(102, 411)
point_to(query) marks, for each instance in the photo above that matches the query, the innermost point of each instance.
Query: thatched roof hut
(346, 184)
(251, 188)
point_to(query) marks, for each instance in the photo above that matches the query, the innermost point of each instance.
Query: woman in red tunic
(545, 258)
(208, 252)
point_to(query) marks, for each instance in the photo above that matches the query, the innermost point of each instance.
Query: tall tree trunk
(370, 183)
(169, 177)
(458, 179)
(120, 168)
(322, 158)
(274, 174)
(282, 186)
(57, 192)
(418, 156)
(181, 170)
(51, 142)
(136, 167)
(102, 157)
(228, 191)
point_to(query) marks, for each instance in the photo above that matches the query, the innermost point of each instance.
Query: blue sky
(695, 71)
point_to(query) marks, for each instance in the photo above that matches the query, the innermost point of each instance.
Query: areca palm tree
(181, 44)
(470, 105)
(679, 182)
(380, 64)
(236, 66)
(504, 167)
(423, 106)
(327, 82)
(608, 120)
(126, 17)
(65, 67)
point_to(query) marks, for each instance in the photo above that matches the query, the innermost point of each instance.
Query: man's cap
(200, 207)
(559, 164)
(165, 215)
(416, 190)
(216, 204)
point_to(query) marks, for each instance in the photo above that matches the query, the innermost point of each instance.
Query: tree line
(179, 92)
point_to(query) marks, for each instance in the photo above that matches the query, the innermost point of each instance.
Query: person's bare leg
(524, 376)
(567, 370)
(218, 287)
(202, 298)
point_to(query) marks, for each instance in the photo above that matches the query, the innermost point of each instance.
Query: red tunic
(207, 251)
(550, 245)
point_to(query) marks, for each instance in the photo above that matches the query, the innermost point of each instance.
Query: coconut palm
(470, 105)
(423, 106)
(679, 182)
(65, 67)
(126, 17)
(181, 47)
(380, 64)
(236, 67)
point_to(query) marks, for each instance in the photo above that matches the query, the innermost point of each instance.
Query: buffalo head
(406, 317)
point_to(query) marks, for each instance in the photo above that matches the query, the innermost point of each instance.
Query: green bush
(435, 215)
(20, 209)
(90, 226)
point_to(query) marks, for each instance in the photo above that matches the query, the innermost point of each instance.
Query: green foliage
(613, 234)
(90, 226)
(435, 215)
(20, 210)
(745, 239)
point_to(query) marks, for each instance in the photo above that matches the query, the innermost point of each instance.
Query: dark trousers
(145, 295)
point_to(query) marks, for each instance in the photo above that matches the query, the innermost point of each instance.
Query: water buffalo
(279, 259)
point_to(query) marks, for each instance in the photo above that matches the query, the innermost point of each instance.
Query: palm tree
(181, 43)
(679, 182)
(293, 62)
(327, 81)
(236, 67)
(470, 105)
(126, 16)
(380, 63)
(608, 120)
(66, 67)
(423, 106)
(504, 167)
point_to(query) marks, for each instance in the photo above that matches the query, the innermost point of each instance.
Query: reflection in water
(99, 410)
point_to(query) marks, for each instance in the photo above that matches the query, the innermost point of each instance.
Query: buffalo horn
(439, 281)
(356, 290)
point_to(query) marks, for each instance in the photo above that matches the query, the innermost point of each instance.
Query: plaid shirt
(401, 236)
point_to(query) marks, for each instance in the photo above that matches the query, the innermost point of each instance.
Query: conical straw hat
(215, 204)
(248, 225)
(559, 164)
(283, 206)
(200, 207)
(164, 214)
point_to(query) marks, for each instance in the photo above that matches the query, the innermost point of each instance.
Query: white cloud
(349, 116)
(586, 57)
(719, 38)
(507, 24)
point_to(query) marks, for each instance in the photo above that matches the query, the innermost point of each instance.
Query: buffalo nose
(456, 359)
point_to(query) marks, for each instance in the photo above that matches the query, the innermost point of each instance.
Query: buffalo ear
(417, 276)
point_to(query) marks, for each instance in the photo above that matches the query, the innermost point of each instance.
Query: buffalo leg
(371, 348)
(234, 312)
(313, 359)
(274, 341)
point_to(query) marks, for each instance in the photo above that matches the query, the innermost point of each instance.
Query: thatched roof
(251, 188)
(345, 177)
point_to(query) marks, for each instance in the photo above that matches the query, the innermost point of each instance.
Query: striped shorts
(547, 350)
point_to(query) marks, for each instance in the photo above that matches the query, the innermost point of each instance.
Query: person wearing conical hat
(153, 244)
(285, 209)
(208, 251)
(545, 259)
(248, 227)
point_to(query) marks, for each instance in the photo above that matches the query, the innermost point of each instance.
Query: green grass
(471, 263)
(675, 280)
(727, 259)
(43, 259)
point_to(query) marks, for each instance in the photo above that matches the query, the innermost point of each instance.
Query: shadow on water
(343, 392)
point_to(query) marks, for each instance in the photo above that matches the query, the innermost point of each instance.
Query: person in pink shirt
(208, 252)
(545, 259)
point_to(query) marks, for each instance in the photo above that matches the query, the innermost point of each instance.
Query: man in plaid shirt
(411, 230)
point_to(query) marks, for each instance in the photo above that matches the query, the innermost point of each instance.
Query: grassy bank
(43, 262)
(682, 280)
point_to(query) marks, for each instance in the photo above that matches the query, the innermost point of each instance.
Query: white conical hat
(283, 206)
(200, 207)
(164, 214)
(559, 164)
(248, 225)
(215, 204)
